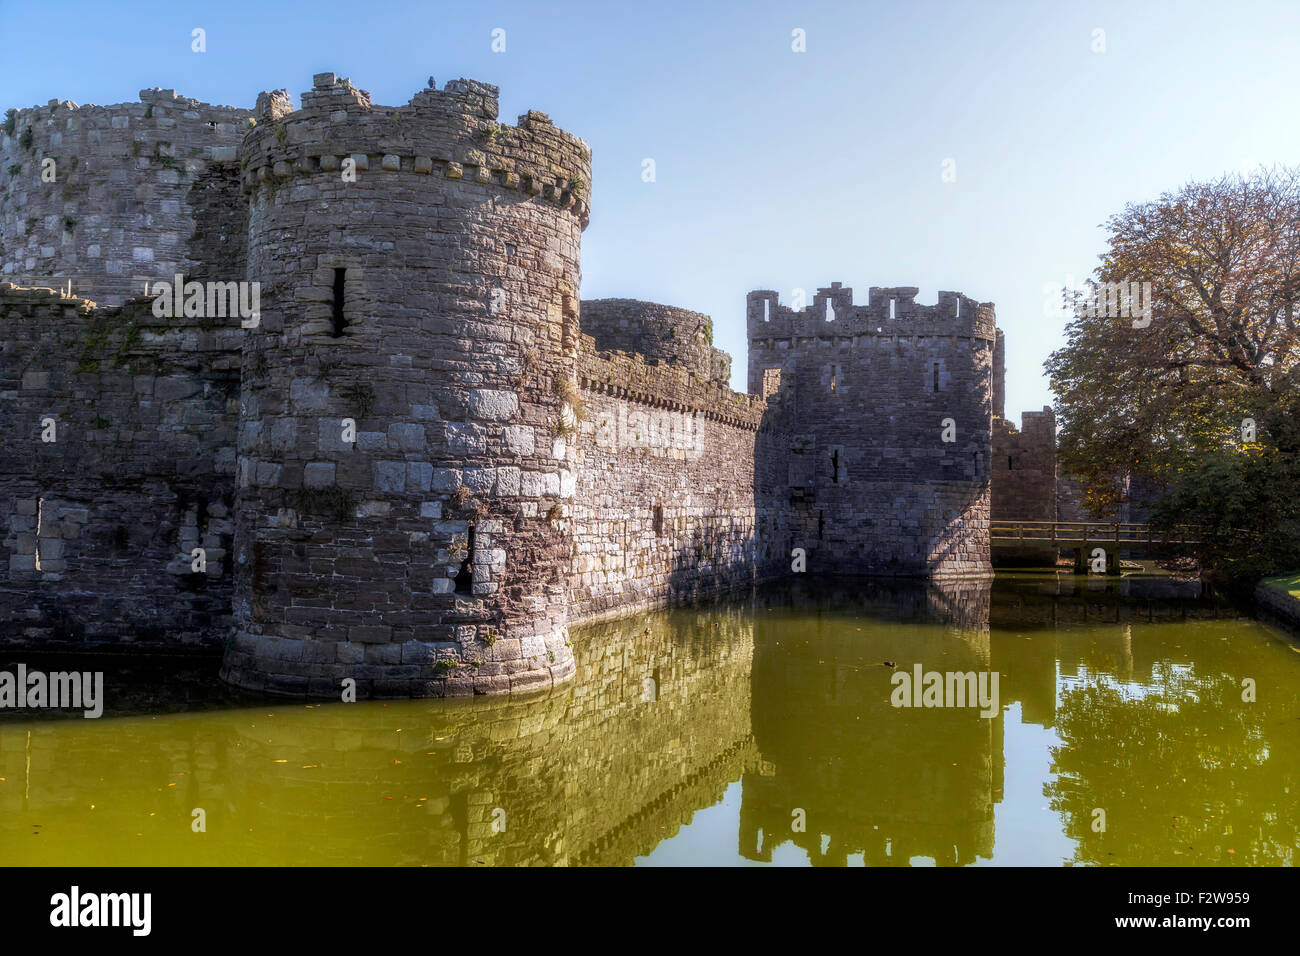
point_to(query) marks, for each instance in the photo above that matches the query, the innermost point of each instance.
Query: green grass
(1290, 583)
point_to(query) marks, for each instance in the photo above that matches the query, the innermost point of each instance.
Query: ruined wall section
(132, 184)
(664, 507)
(97, 526)
(1024, 478)
(855, 466)
(419, 268)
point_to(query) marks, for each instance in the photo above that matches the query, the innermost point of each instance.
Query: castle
(424, 458)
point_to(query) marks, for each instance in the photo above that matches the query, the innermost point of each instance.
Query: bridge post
(1080, 560)
(1112, 561)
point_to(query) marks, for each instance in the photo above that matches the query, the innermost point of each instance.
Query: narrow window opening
(465, 576)
(340, 278)
(835, 466)
(1008, 462)
(893, 308)
(40, 513)
(835, 374)
(659, 520)
(830, 311)
(767, 305)
(936, 376)
(959, 307)
(821, 524)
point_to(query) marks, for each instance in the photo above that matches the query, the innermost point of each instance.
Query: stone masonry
(1024, 479)
(423, 458)
(876, 455)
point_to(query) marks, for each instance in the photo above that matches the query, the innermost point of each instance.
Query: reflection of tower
(888, 783)
(402, 488)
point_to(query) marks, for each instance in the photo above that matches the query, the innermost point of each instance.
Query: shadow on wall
(809, 496)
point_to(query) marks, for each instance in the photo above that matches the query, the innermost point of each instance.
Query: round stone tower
(407, 394)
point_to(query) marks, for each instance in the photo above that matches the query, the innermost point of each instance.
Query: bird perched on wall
(890, 664)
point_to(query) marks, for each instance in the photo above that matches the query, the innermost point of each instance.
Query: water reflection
(885, 783)
(766, 711)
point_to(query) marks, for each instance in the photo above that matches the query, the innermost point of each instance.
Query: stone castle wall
(97, 526)
(1024, 478)
(425, 458)
(859, 471)
(133, 191)
(664, 508)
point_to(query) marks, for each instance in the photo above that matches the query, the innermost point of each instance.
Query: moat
(703, 735)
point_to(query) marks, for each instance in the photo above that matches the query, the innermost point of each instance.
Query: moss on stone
(360, 397)
(332, 501)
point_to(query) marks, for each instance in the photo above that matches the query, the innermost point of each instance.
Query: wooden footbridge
(1086, 534)
(1084, 537)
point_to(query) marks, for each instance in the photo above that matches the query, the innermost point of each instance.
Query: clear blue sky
(775, 169)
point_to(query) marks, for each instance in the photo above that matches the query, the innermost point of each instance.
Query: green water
(754, 730)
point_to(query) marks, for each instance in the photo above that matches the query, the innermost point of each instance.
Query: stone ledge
(1279, 602)
(561, 192)
(300, 667)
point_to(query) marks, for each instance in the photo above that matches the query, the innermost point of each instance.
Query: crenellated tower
(407, 394)
(874, 456)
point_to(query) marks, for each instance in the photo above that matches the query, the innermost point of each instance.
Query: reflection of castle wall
(672, 699)
(654, 728)
(832, 745)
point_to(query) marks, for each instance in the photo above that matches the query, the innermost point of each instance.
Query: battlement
(889, 311)
(634, 377)
(451, 133)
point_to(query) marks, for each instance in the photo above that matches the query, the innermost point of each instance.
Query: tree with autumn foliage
(1199, 393)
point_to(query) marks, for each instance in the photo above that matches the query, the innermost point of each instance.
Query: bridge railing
(1072, 533)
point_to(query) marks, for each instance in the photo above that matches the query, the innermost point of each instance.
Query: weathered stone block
(519, 439)
(390, 476)
(370, 633)
(318, 474)
(493, 405)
